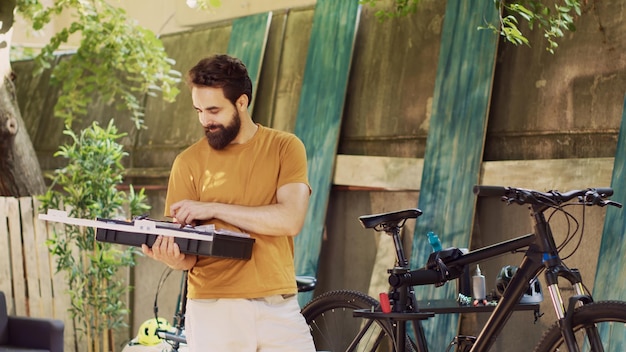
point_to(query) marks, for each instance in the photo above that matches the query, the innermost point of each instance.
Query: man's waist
(271, 299)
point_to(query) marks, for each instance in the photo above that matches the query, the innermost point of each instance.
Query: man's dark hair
(222, 71)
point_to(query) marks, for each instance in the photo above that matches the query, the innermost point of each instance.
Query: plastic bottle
(478, 285)
(434, 241)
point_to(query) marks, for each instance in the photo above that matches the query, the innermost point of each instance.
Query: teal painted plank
(610, 282)
(319, 116)
(455, 144)
(248, 39)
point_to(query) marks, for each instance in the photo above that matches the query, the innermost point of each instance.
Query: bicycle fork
(564, 315)
(554, 269)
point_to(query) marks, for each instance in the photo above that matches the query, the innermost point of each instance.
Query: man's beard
(222, 137)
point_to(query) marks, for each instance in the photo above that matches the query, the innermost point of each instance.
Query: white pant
(266, 324)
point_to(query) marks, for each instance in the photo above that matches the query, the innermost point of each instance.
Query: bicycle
(395, 322)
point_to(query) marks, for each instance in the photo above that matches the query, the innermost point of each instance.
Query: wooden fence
(27, 269)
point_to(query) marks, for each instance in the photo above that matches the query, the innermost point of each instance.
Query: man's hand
(167, 251)
(190, 212)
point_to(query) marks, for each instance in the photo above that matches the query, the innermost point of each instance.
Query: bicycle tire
(608, 316)
(333, 327)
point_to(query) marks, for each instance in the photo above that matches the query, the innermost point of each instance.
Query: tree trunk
(20, 173)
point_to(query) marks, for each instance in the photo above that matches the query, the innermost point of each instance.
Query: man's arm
(285, 218)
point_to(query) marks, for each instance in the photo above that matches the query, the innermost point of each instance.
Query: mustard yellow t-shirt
(244, 174)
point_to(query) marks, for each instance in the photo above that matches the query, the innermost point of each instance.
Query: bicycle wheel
(599, 326)
(334, 328)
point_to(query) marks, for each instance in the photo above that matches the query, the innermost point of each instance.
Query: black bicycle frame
(529, 268)
(531, 265)
(541, 254)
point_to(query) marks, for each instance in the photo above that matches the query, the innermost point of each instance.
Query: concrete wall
(544, 107)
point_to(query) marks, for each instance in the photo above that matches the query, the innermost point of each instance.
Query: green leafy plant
(87, 188)
(117, 58)
(554, 19)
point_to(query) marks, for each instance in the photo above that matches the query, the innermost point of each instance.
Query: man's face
(218, 116)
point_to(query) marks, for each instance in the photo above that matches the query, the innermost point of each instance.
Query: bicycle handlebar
(589, 196)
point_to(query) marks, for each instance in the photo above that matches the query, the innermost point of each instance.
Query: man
(247, 178)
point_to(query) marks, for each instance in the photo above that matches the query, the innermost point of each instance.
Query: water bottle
(434, 241)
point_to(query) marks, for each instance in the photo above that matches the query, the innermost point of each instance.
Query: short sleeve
(181, 184)
(293, 163)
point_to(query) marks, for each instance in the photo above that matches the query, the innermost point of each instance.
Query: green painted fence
(319, 116)
(247, 42)
(455, 144)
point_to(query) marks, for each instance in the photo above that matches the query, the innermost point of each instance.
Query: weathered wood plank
(61, 297)
(31, 268)
(388, 173)
(247, 42)
(404, 174)
(283, 74)
(44, 259)
(319, 116)
(5, 255)
(610, 282)
(17, 257)
(554, 174)
(455, 143)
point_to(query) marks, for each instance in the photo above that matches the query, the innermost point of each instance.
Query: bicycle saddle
(389, 220)
(305, 283)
